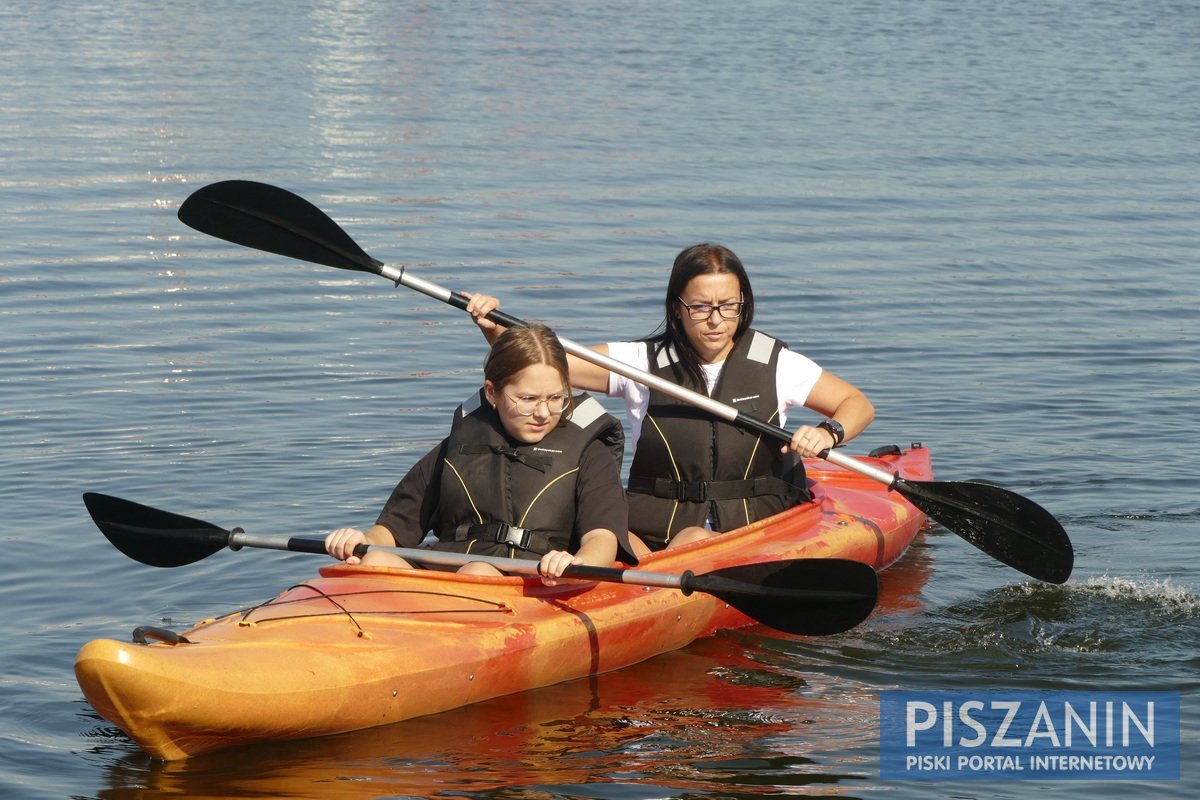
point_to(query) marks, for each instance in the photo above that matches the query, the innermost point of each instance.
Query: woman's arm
(840, 401)
(587, 376)
(479, 306)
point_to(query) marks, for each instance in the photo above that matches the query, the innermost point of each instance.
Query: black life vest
(502, 497)
(689, 464)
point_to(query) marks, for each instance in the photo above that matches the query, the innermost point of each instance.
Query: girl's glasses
(526, 406)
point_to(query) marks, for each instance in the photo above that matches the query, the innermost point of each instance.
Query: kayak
(356, 647)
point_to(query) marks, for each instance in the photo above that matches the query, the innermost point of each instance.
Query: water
(985, 214)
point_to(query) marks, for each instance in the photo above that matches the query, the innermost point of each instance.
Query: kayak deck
(356, 647)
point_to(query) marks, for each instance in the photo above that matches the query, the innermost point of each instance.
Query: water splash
(1124, 631)
(1164, 595)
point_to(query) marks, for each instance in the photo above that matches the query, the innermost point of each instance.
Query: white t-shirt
(795, 376)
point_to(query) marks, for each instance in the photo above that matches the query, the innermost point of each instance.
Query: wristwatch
(836, 429)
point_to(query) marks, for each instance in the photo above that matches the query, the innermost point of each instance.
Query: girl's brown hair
(518, 348)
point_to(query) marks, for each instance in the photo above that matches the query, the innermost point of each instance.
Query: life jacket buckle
(510, 534)
(691, 491)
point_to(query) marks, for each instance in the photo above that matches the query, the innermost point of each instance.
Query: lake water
(985, 214)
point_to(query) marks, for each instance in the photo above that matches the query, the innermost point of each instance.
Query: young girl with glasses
(694, 475)
(527, 472)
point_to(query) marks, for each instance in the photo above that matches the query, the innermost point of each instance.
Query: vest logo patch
(748, 397)
(546, 450)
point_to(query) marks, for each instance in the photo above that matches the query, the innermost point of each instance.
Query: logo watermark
(1068, 735)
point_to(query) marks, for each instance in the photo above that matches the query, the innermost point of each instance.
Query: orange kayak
(357, 647)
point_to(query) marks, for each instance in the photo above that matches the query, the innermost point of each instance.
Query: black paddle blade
(154, 537)
(1008, 527)
(274, 220)
(807, 596)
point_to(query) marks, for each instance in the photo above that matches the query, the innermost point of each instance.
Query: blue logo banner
(1068, 735)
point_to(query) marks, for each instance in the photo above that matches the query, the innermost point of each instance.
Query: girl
(528, 471)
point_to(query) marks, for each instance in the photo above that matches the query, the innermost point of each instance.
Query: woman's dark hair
(699, 259)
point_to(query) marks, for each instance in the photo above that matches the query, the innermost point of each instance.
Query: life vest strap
(503, 533)
(704, 491)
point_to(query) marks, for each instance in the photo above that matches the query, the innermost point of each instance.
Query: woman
(526, 472)
(693, 475)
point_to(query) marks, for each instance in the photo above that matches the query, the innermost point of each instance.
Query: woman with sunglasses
(693, 475)
(528, 471)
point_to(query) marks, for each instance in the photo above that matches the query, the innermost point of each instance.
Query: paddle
(1001, 523)
(812, 596)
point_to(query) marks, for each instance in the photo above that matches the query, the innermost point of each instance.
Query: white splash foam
(1162, 592)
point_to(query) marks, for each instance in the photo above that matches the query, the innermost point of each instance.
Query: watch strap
(835, 430)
